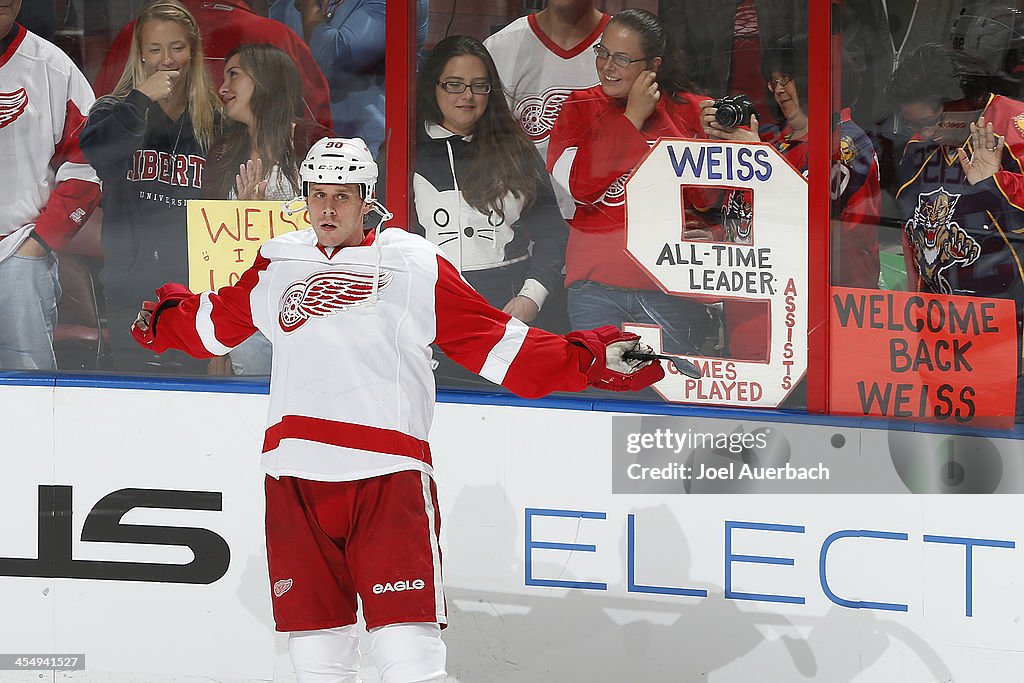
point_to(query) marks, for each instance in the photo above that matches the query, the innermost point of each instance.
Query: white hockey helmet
(340, 161)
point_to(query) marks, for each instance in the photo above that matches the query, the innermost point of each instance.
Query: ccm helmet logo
(398, 586)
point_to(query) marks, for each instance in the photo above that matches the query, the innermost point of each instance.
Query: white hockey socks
(409, 653)
(328, 655)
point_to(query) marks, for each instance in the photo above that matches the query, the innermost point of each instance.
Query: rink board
(549, 574)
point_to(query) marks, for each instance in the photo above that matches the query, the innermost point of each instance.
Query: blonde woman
(148, 141)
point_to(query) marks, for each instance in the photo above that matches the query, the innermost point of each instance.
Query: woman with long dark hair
(148, 141)
(257, 158)
(265, 136)
(481, 191)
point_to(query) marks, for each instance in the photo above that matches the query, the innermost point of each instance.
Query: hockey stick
(682, 365)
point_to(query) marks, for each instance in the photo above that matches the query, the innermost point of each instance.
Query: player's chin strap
(385, 215)
(294, 205)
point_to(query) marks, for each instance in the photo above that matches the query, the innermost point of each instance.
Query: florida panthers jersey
(538, 75)
(352, 389)
(961, 238)
(48, 185)
(855, 203)
(855, 207)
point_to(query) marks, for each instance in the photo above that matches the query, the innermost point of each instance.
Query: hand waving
(986, 159)
(249, 182)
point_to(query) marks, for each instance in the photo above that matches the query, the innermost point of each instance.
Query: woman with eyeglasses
(600, 136)
(856, 201)
(481, 191)
(856, 197)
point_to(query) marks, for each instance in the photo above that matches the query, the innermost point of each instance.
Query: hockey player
(351, 504)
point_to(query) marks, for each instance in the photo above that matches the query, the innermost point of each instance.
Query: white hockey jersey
(352, 389)
(47, 184)
(538, 75)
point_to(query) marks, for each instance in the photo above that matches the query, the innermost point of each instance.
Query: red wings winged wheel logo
(12, 104)
(324, 294)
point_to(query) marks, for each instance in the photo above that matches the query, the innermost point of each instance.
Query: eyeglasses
(618, 58)
(458, 87)
(780, 82)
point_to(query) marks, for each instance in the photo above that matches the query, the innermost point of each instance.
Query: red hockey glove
(144, 328)
(610, 371)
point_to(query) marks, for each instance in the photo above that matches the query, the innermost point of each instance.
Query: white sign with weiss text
(764, 259)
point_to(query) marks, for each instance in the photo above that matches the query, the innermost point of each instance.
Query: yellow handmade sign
(223, 237)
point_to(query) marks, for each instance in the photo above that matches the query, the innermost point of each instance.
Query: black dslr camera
(733, 110)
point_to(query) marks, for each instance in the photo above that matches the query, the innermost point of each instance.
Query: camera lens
(728, 115)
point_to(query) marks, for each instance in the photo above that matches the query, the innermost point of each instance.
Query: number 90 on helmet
(340, 161)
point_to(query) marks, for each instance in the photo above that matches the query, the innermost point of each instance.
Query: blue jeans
(592, 304)
(28, 310)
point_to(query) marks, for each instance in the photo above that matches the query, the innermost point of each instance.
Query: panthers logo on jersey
(324, 294)
(1018, 122)
(847, 149)
(938, 241)
(738, 217)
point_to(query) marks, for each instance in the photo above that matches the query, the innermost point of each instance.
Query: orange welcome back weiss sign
(913, 355)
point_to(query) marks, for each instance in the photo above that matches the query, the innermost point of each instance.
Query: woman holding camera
(600, 136)
(855, 189)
